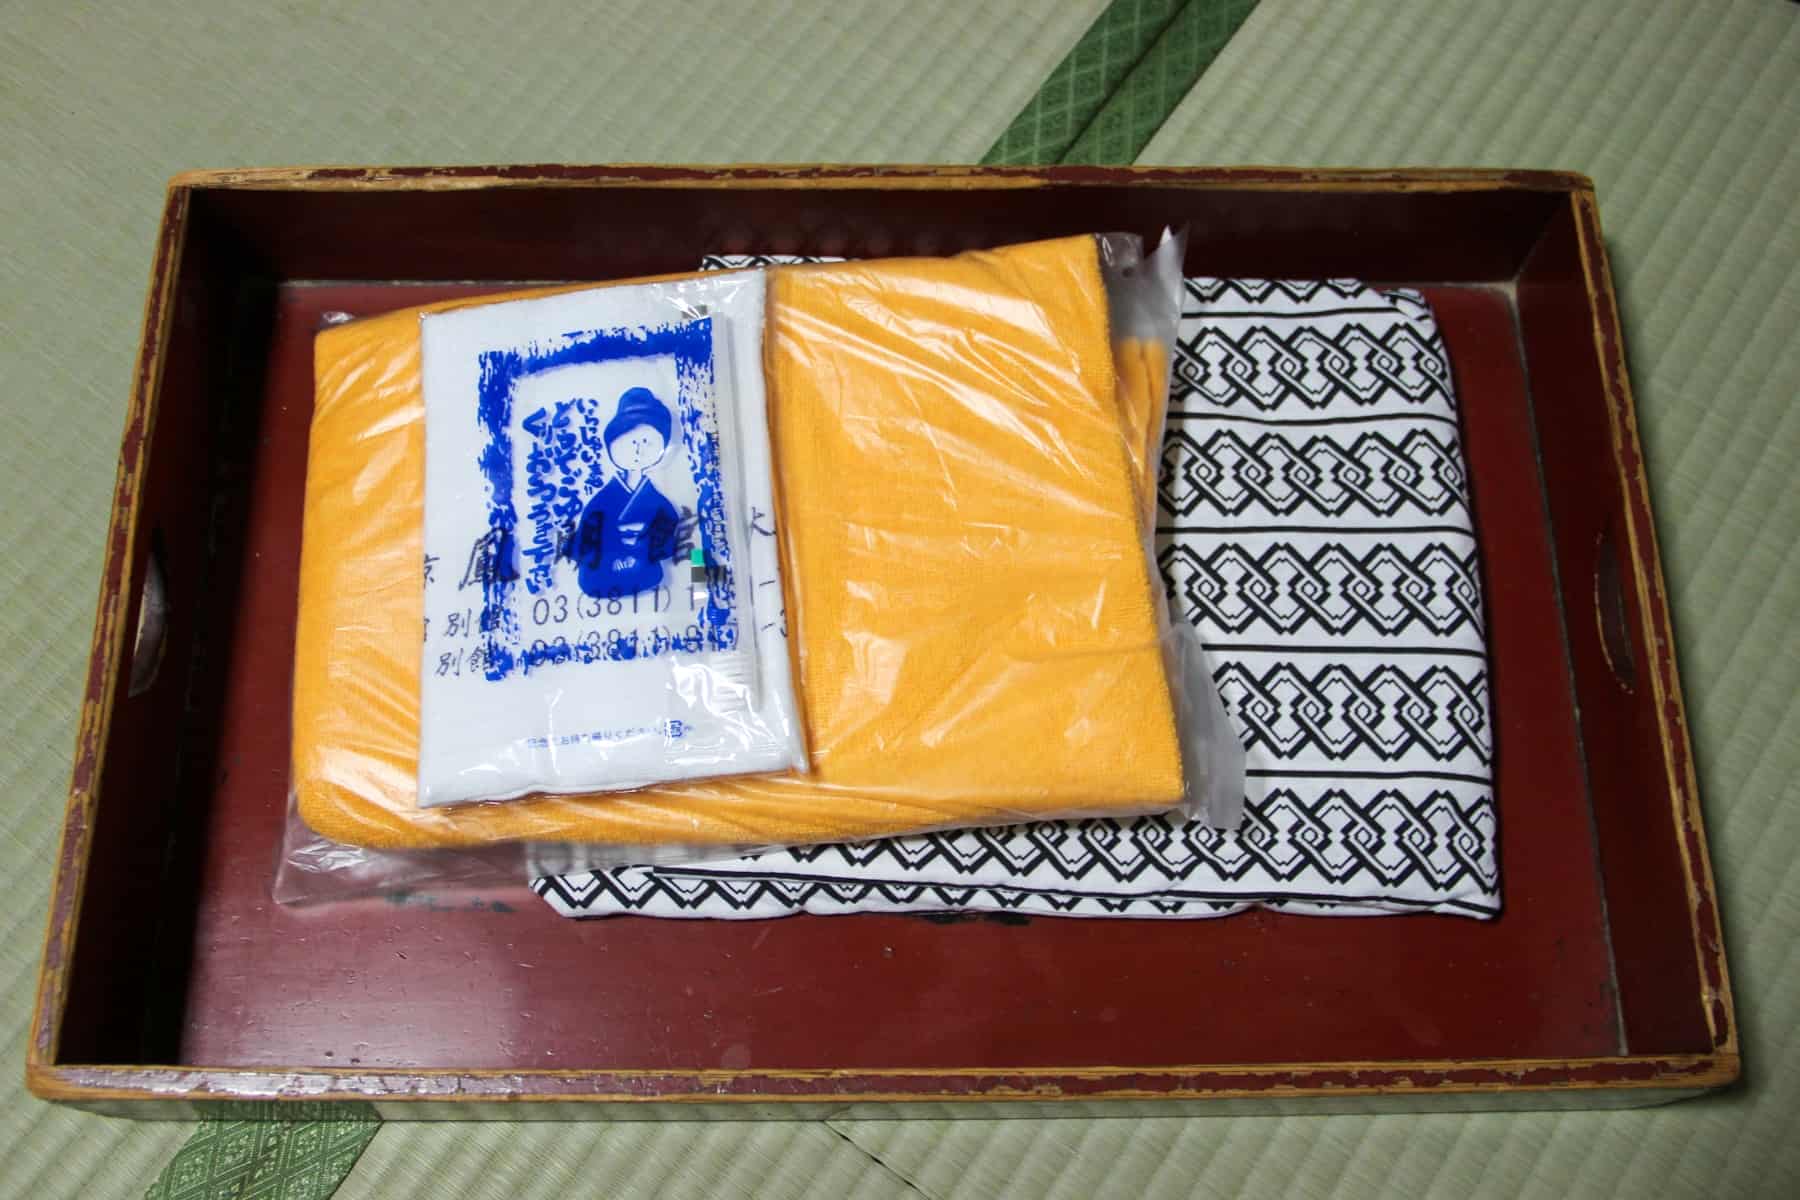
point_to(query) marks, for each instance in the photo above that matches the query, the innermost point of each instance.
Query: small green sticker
(697, 557)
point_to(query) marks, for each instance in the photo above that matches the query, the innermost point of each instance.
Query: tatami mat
(1685, 113)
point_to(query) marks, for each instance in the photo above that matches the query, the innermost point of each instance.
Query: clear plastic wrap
(1143, 293)
(964, 460)
(603, 593)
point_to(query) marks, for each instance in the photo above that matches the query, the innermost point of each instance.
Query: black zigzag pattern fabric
(1314, 525)
(742, 262)
(1337, 713)
(1380, 474)
(1385, 590)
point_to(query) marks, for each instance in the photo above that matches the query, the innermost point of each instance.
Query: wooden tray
(172, 984)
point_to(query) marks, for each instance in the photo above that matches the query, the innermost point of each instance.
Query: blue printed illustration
(629, 531)
(606, 534)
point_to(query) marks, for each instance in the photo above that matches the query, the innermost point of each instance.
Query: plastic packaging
(1143, 294)
(979, 635)
(1143, 298)
(603, 592)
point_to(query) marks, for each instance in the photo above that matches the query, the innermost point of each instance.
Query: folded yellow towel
(963, 551)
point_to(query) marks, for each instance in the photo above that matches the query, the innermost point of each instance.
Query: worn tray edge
(787, 1087)
(853, 175)
(1652, 598)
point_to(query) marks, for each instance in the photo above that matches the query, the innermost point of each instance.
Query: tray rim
(1422, 1077)
(864, 175)
(1636, 1073)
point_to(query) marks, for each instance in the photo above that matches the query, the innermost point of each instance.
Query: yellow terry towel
(976, 628)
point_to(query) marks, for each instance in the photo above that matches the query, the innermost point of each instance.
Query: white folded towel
(603, 593)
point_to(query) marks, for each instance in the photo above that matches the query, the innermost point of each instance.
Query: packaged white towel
(1315, 526)
(602, 594)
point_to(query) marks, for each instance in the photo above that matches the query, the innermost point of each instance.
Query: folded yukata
(962, 551)
(1315, 525)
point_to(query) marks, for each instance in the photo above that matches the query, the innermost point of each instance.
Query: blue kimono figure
(629, 529)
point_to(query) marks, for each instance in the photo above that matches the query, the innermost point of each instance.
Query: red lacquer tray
(172, 984)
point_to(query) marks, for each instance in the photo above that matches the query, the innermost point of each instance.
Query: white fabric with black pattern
(1314, 524)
